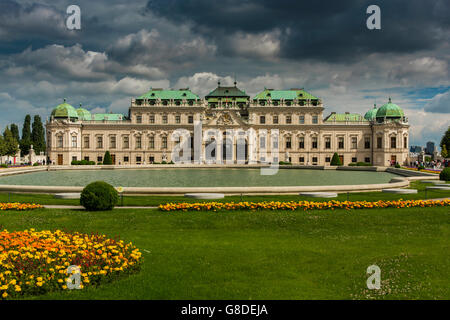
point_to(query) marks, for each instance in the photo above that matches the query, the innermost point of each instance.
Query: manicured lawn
(266, 254)
(156, 200)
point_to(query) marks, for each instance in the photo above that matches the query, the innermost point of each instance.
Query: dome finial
(64, 100)
(390, 100)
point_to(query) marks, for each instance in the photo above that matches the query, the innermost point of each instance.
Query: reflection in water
(171, 177)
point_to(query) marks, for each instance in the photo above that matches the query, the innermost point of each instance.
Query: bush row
(82, 163)
(360, 164)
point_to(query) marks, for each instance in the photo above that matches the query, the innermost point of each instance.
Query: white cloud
(439, 103)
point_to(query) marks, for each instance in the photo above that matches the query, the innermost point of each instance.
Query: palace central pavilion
(306, 137)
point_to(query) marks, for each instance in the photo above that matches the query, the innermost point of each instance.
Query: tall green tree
(15, 131)
(107, 159)
(38, 135)
(336, 161)
(2, 146)
(11, 144)
(25, 143)
(444, 152)
(446, 140)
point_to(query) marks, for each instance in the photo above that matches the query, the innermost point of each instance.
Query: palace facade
(284, 125)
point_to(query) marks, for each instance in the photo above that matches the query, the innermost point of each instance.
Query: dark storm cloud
(327, 30)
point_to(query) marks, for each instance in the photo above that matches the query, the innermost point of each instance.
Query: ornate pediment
(224, 118)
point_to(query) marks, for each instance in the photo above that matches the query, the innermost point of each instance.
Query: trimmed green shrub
(36, 164)
(107, 160)
(336, 161)
(98, 196)
(284, 163)
(164, 162)
(99, 163)
(445, 174)
(171, 162)
(4, 165)
(421, 168)
(397, 165)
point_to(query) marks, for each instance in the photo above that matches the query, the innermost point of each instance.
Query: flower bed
(301, 205)
(35, 262)
(422, 170)
(19, 206)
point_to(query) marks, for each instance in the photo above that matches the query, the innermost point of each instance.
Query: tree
(25, 143)
(446, 140)
(10, 143)
(444, 152)
(107, 158)
(336, 161)
(15, 131)
(38, 135)
(2, 147)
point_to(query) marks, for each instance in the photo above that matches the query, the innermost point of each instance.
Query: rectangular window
(151, 159)
(314, 142)
(288, 142)
(354, 159)
(74, 158)
(99, 142)
(86, 142)
(341, 142)
(191, 119)
(379, 142)
(126, 142)
(288, 119)
(393, 142)
(301, 143)
(126, 159)
(262, 119)
(59, 143)
(275, 119)
(86, 158)
(138, 142)
(405, 142)
(354, 142)
(151, 142)
(138, 159)
(301, 159)
(74, 141)
(164, 119)
(367, 142)
(164, 142)
(328, 143)
(262, 142)
(328, 159)
(112, 142)
(152, 118)
(177, 119)
(99, 159)
(139, 119)
(314, 160)
(315, 119)
(367, 160)
(301, 119)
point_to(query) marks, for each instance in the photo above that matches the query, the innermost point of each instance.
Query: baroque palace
(304, 135)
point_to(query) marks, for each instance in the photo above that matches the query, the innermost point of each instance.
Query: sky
(126, 47)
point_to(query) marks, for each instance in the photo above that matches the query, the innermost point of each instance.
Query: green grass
(266, 254)
(156, 200)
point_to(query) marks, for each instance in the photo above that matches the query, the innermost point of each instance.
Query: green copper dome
(371, 114)
(65, 110)
(390, 110)
(83, 114)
